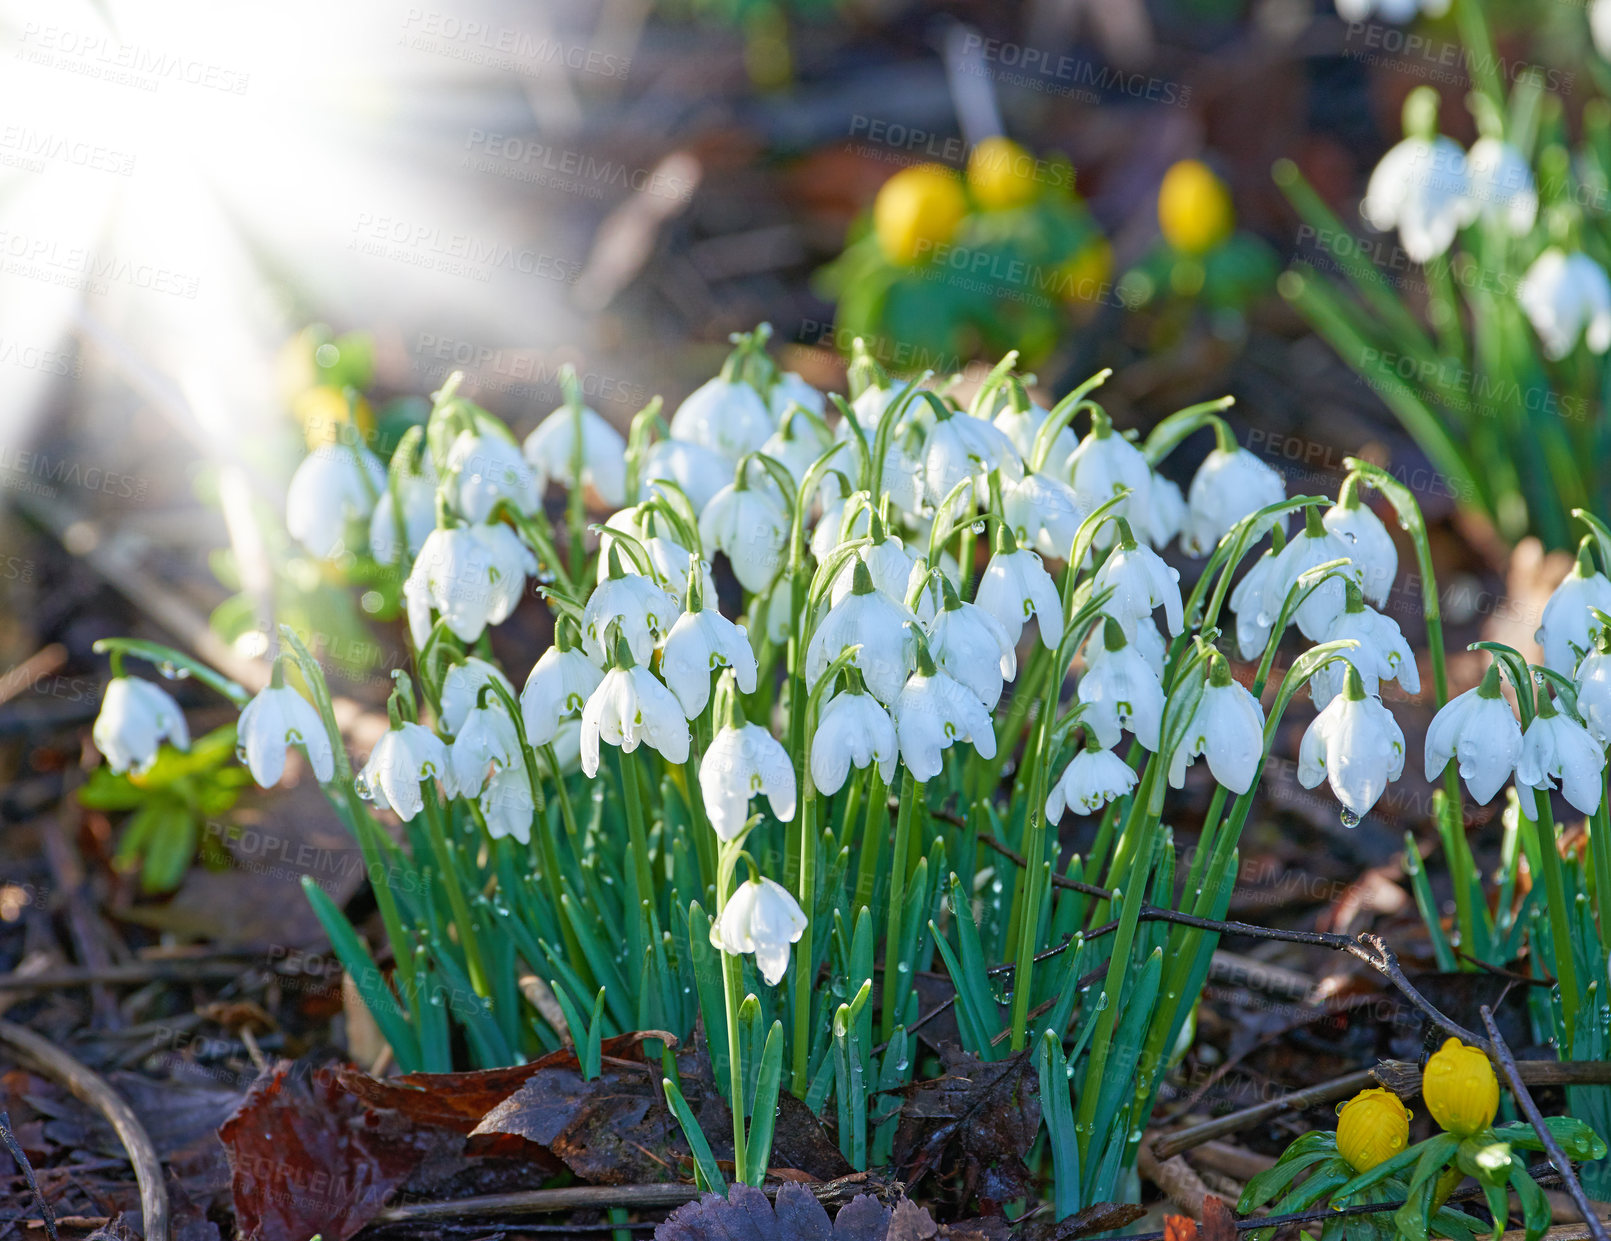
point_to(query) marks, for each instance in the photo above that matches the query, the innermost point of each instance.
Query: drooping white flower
(752, 528)
(870, 404)
(670, 563)
(639, 606)
(631, 706)
(1105, 464)
(1227, 728)
(971, 645)
(1021, 426)
(1356, 744)
(1230, 484)
(1382, 654)
(483, 468)
(889, 563)
(760, 917)
(1399, 11)
(792, 388)
(726, 416)
(1479, 729)
(1015, 587)
(406, 755)
(418, 493)
(1422, 189)
(558, 687)
(882, 627)
(1502, 185)
(744, 761)
(1149, 643)
(1253, 623)
(698, 472)
(959, 447)
(507, 804)
(1167, 512)
(852, 729)
(1369, 545)
(933, 711)
(552, 450)
(474, 576)
(799, 441)
(1600, 27)
(1140, 581)
(334, 486)
(135, 718)
(1565, 297)
(1567, 631)
(1310, 548)
(271, 723)
(698, 644)
(485, 743)
(1594, 694)
(1120, 691)
(1044, 513)
(1094, 778)
(462, 686)
(1557, 747)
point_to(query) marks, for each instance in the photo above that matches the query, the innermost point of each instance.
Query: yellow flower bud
(1460, 1088)
(1084, 278)
(327, 417)
(1372, 1126)
(916, 210)
(1001, 174)
(1194, 208)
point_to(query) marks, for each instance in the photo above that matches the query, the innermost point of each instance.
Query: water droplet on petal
(1349, 818)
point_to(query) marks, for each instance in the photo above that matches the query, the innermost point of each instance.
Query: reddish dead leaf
(1219, 1223)
(1180, 1228)
(978, 1120)
(454, 1101)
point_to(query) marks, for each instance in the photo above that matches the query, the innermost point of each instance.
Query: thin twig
(1300, 1100)
(1557, 1157)
(46, 1058)
(174, 970)
(9, 1139)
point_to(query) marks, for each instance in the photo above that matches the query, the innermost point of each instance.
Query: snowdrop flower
(1230, 484)
(336, 484)
(270, 724)
(726, 416)
(1045, 513)
(1600, 27)
(1399, 11)
(558, 687)
(473, 576)
(1356, 744)
(1253, 624)
(760, 917)
(406, 755)
(1594, 694)
(1478, 728)
(670, 563)
(959, 447)
(933, 711)
(696, 471)
(1149, 643)
(799, 441)
(1421, 187)
(462, 686)
(971, 646)
(1140, 581)
(507, 804)
(1566, 633)
(1370, 546)
(882, 628)
(1502, 185)
(1016, 586)
(791, 388)
(418, 494)
(744, 760)
(1021, 426)
(852, 729)
(638, 606)
(1557, 747)
(1567, 296)
(888, 560)
(1382, 653)
(1093, 779)
(1104, 465)
(135, 717)
(1119, 690)
(751, 527)
(1227, 728)
(631, 706)
(1312, 547)
(1168, 511)
(552, 450)
(483, 469)
(486, 742)
(702, 641)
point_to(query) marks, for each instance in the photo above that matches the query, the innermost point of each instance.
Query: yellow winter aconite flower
(1194, 208)
(1372, 1126)
(916, 210)
(1085, 277)
(1001, 174)
(327, 417)
(1460, 1088)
